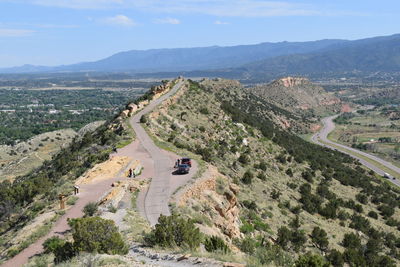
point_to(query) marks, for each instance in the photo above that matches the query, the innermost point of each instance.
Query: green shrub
(244, 159)
(284, 236)
(247, 177)
(320, 238)
(72, 200)
(275, 194)
(51, 244)
(112, 209)
(246, 228)
(143, 119)
(64, 252)
(90, 209)
(351, 240)
(311, 260)
(373, 214)
(248, 245)
(215, 243)
(94, 234)
(335, 258)
(204, 111)
(273, 256)
(174, 231)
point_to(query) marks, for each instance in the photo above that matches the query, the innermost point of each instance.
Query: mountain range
(283, 58)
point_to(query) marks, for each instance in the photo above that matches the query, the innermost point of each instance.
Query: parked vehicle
(183, 168)
(186, 161)
(387, 175)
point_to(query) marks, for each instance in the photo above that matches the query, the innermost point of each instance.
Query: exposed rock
(183, 257)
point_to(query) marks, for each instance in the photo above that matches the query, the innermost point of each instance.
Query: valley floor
(374, 163)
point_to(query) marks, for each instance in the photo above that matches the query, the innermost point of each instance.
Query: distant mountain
(262, 62)
(373, 54)
(185, 59)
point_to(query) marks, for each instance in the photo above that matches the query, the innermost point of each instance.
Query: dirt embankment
(217, 198)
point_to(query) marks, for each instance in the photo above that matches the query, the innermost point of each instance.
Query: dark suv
(186, 161)
(183, 169)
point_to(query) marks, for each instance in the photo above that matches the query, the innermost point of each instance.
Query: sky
(56, 32)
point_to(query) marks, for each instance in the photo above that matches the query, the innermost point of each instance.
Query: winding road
(158, 165)
(163, 183)
(321, 138)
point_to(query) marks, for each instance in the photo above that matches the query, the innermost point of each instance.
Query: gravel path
(329, 126)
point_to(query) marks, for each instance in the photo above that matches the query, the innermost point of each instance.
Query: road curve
(329, 126)
(162, 183)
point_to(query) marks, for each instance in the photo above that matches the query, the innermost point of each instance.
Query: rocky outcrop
(222, 208)
(292, 81)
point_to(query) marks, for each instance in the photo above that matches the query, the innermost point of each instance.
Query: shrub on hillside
(215, 243)
(52, 243)
(247, 177)
(335, 258)
(320, 238)
(174, 231)
(311, 260)
(94, 234)
(90, 209)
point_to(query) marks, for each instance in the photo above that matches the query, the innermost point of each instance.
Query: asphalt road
(329, 126)
(159, 191)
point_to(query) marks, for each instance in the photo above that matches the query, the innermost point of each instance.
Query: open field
(373, 131)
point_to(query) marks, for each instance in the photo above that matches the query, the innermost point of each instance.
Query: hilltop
(298, 95)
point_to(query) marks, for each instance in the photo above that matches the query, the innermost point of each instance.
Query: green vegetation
(92, 234)
(90, 209)
(216, 244)
(174, 231)
(32, 112)
(55, 177)
(320, 178)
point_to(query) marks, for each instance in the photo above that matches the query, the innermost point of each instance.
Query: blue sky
(55, 32)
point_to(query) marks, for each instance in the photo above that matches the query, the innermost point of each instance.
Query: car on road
(186, 161)
(183, 169)
(388, 176)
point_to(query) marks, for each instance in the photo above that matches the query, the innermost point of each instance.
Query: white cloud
(119, 20)
(167, 21)
(15, 32)
(218, 22)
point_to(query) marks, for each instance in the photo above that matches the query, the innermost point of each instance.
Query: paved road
(329, 126)
(158, 165)
(163, 183)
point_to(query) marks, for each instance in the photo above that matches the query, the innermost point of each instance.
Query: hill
(297, 95)
(266, 191)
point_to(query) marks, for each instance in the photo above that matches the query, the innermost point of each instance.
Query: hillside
(269, 193)
(261, 196)
(298, 95)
